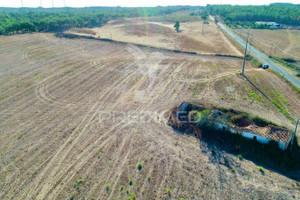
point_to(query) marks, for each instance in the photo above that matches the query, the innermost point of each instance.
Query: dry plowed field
(77, 116)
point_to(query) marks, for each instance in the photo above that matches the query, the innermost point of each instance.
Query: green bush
(239, 119)
(260, 121)
(298, 73)
(255, 63)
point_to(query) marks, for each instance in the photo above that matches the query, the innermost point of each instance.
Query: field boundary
(76, 36)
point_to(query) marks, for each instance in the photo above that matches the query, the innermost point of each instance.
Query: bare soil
(192, 36)
(57, 102)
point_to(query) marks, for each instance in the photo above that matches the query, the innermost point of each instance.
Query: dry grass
(287, 40)
(54, 90)
(163, 35)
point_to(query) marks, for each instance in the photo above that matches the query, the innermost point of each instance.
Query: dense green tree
(204, 16)
(284, 13)
(16, 20)
(177, 26)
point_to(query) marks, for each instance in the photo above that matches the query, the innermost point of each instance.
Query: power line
(271, 50)
(266, 43)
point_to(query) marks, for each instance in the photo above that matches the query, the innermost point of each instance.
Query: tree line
(21, 20)
(283, 13)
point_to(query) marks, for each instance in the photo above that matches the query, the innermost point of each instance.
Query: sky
(132, 3)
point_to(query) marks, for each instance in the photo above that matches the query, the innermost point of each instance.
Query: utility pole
(243, 70)
(41, 3)
(250, 43)
(52, 3)
(203, 28)
(64, 3)
(22, 3)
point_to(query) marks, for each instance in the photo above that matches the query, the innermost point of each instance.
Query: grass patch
(281, 97)
(254, 96)
(256, 63)
(280, 108)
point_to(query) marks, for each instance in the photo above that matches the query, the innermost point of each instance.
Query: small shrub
(233, 169)
(72, 197)
(169, 191)
(149, 177)
(240, 156)
(248, 176)
(122, 187)
(98, 156)
(20, 135)
(260, 168)
(130, 181)
(78, 182)
(133, 196)
(222, 98)
(127, 190)
(107, 187)
(140, 166)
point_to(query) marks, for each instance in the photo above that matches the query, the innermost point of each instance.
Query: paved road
(264, 59)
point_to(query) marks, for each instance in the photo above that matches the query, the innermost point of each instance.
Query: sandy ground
(163, 35)
(76, 109)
